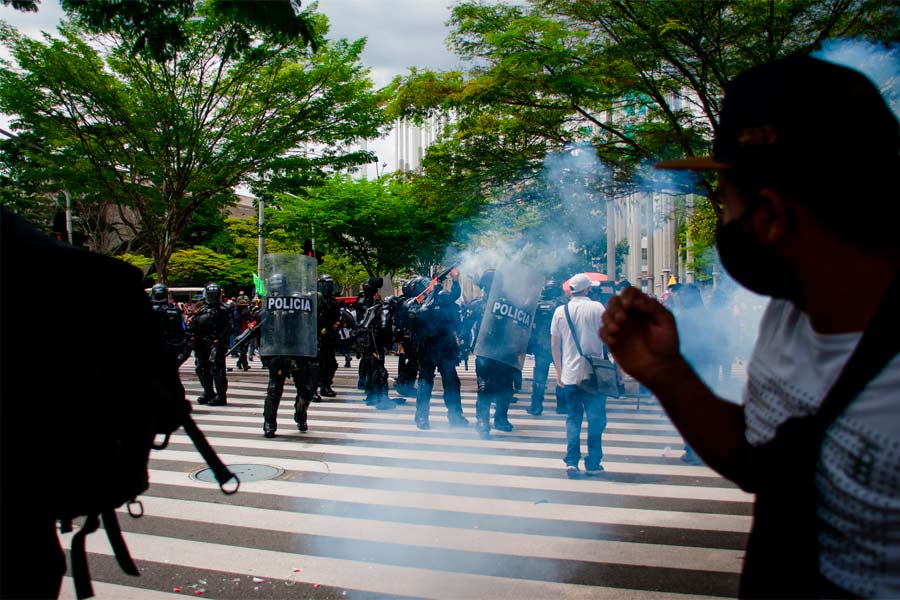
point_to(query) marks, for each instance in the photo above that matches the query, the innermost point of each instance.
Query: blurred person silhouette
(48, 395)
(817, 438)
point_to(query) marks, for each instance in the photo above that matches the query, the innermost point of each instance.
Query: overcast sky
(400, 34)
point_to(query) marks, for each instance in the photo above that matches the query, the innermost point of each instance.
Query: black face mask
(758, 269)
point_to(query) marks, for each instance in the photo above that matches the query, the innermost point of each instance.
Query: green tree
(197, 266)
(381, 225)
(162, 139)
(160, 27)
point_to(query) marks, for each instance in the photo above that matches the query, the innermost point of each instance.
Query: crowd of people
(432, 329)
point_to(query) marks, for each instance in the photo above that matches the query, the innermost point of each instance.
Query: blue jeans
(581, 403)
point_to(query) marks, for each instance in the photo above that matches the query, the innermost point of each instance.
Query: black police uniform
(373, 337)
(364, 301)
(408, 353)
(329, 317)
(171, 324)
(435, 329)
(208, 334)
(539, 346)
(303, 372)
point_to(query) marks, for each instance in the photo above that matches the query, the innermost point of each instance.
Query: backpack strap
(114, 534)
(81, 574)
(575, 338)
(223, 475)
(877, 347)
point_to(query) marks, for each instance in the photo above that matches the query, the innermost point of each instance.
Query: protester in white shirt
(572, 368)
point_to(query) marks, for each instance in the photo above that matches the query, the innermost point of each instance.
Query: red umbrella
(591, 276)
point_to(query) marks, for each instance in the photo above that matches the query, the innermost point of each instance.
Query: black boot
(457, 420)
(503, 425)
(269, 430)
(326, 390)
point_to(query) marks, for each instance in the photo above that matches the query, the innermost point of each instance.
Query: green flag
(260, 288)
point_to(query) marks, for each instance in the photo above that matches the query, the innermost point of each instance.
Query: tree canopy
(385, 225)
(160, 27)
(160, 139)
(638, 80)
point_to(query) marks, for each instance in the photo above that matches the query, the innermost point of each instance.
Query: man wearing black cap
(807, 160)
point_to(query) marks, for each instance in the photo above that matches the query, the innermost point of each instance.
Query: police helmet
(486, 280)
(372, 285)
(408, 288)
(212, 293)
(326, 286)
(159, 294)
(550, 290)
(276, 284)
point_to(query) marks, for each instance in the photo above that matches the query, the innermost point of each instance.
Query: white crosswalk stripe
(367, 506)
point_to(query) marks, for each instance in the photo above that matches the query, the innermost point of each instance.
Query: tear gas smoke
(553, 223)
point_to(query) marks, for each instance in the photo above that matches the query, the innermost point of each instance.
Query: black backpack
(114, 392)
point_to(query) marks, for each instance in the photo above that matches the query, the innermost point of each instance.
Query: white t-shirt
(585, 315)
(858, 478)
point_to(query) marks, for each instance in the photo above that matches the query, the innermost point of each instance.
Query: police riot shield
(508, 315)
(289, 308)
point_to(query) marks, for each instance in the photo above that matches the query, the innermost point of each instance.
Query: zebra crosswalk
(365, 505)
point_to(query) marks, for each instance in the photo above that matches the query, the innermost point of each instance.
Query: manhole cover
(244, 473)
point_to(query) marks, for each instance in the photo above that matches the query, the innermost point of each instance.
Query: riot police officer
(364, 301)
(501, 325)
(408, 358)
(208, 335)
(539, 346)
(171, 323)
(434, 331)
(328, 322)
(374, 336)
(288, 335)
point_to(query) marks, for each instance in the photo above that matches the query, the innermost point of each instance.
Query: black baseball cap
(801, 114)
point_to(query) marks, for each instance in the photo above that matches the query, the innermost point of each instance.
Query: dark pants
(581, 403)
(303, 372)
(407, 366)
(375, 378)
(542, 362)
(344, 348)
(445, 363)
(327, 361)
(242, 358)
(210, 368)
(495, 385)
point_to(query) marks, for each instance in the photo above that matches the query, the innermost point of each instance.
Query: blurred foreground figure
(803, 196)
(101, 400)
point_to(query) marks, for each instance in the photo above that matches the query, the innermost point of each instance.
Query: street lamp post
(261, 248)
